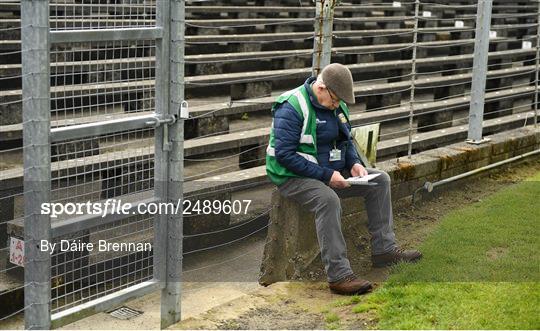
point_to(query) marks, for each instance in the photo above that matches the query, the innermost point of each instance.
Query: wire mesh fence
(93, 80)
(412, 64)
(80, 275)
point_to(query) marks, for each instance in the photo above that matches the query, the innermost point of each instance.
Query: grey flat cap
(338, 78)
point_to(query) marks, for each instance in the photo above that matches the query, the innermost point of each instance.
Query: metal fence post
(413, 76)
(171, 294)
(481, 49)
(169, 154)
(537, 67)
(37, 161)
(160, 155)
(322, 45)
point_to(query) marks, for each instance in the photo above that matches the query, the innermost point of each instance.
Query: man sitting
(309, 152)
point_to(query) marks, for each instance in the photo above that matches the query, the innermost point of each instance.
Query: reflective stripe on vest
(271, 151)
(304, 138)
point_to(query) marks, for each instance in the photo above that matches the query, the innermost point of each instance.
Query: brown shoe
(350, 285)
(395, 256)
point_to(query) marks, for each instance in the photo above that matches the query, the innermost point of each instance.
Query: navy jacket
(330, 130)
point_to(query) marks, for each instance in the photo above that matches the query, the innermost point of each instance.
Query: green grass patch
(481, 270)
(331, 318)
(332, 321)
(353, 299)
(365, 307)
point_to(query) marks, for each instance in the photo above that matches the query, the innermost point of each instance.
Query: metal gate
(102, 96)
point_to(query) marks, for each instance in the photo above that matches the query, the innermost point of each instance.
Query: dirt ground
(308, 304)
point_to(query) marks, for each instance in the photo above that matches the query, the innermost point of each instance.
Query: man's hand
(358, 170)
(337, 181)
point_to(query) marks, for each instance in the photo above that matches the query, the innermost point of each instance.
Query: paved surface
(201, 292)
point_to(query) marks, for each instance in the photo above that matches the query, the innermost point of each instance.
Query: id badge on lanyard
(335, 154)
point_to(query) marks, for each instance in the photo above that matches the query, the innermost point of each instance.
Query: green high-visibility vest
(307, 147)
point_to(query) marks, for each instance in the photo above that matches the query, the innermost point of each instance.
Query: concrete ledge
(292, 243)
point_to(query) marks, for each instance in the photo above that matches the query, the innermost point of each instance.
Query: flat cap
(338, 78)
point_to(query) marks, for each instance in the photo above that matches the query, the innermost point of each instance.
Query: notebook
(362, 180)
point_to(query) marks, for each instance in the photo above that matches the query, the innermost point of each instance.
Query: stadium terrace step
(10, 27)
(10, 106)
(215, 26)
(205, 64)
(147, 11)
(58, 8)
(248, 139)
(9, 46)
(94, 21)
(73, 96)
(82, 71)
(260, 21)
(290, 36)
(260, 81)
(239, 180)
(420, 142)
(307, 3)
(436, 85)
(451, 3)
(261, 104)
(201, 44)
(472, 9)
(137, 9)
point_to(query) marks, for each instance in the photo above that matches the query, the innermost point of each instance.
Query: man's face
(329, 99)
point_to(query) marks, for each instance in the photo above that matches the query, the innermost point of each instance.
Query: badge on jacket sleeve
(342, 118)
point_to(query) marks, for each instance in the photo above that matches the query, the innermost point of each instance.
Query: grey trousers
(324, 201)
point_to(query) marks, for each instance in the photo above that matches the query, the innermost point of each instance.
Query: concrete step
(12, 110)
(12, 178)
(80, 71)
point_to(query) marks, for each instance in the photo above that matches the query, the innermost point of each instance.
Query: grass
(481, 270)
(332, 321)
(348, 301)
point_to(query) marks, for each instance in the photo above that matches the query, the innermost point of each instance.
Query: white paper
(361, 180)
(526, 45)
(396, 4)
(492, 34)
(459, 24)
(426, 13)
